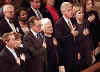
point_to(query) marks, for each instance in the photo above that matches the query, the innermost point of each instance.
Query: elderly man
(33, 42)
(66, 36)
(8, 23)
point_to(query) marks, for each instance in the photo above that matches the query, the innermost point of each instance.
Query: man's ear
(6, 42)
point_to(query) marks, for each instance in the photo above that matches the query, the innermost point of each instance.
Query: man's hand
(79, 56)
(44, 44)
(18, 60)
(74, 33)
(61, 69)
(22, 56)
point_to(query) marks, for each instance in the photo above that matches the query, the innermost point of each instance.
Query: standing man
(34, 10)
(33, 42)
(66, 35)
(9, 60)
(8, 23)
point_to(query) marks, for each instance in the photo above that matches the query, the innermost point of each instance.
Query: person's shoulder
(27, 35)
(3, 52)
(2, 20)
(60, 20)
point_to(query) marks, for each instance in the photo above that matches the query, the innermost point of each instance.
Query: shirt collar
(12, 51)
(33, 32)
(66, 19)
(7, 19)
(35, 10)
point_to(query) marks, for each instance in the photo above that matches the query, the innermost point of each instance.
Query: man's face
(18, 42)
(23, 16)
(35, 4)
(9, 13)
(68, 13)
(12, 42)
(37, 26)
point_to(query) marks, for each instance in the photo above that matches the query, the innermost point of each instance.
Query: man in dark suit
(34, 8)
(32, 41)
(9, 61)
(66, 36)
(8, 23)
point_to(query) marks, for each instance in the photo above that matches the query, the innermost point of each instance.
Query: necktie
(12, 25)
(11, 21)
(39, 14)
(70, 25)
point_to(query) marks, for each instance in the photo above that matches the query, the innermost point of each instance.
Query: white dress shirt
(67, 21)
(37, 12)
(11, 25)
(34, 33)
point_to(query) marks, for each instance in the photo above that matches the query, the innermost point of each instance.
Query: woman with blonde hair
(85, 37)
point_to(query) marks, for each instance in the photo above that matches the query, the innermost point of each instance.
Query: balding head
(8, 10)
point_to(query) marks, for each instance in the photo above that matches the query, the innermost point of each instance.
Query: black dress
(94, 26)
(51, 55)
(86, 46)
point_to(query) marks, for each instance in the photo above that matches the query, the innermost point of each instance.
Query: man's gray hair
(6, 6)
(64, 6)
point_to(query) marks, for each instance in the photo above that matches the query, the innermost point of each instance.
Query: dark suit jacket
(68, 47)
(1, 44)
(4, 26)
(36, 51)
(8, 62)
(31, 12)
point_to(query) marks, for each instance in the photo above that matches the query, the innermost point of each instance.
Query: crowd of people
(49, 36)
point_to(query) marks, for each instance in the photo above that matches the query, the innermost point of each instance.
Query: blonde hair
(76, 8)
(64, 6)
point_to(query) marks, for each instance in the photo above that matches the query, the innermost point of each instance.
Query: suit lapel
(7, 25)
(65, 24)
(10, 55)
(34, 38)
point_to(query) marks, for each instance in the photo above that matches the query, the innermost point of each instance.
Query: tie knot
(11, 21)
(38, 35)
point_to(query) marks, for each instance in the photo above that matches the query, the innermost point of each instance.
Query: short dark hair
(32, 19)
(21, 9)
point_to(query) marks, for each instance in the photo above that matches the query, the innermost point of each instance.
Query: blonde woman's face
(79, 15)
